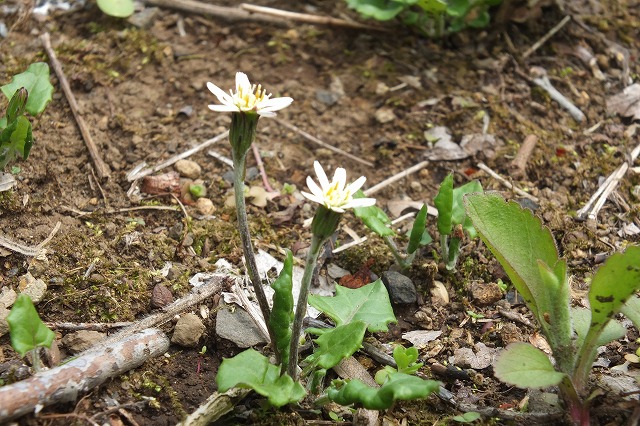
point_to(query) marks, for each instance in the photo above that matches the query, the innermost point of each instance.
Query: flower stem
(239, 163)
(301, 308)
(402, 263)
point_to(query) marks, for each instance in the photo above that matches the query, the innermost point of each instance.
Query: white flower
(247, 97)
(336, 195)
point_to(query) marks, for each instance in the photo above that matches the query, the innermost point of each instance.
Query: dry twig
(101, 167)
(546, 37)
(519, 163)
(31, 251)
(403, 174)
(506, 183)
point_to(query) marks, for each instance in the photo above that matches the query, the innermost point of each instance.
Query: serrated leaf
(527, 252)
(373, 217)
(419, 235)
(399, 387)
(252, 370)
(369, 303)
(36, 80)
(631, 310)
(282, 313)
(26, 329)
(336, 344)
(117, 8)
(444, 203)
(526, 366)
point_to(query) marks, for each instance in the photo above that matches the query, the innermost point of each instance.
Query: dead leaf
(439, 291)
(626, 103)
(397, 207)
(538, 340)
(420, 338)
(360, 278)
(481, 359)
(257, 196)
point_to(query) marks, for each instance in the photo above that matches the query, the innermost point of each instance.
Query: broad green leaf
(252, 370)
(337, 344)
(16, 141)
(526, 366)
(282, 313)
(444, 203)
(399, 387)
(373, 217)
(433, 6)
(631, 310)
(369, 303)
(406, 359)
(527, 252)
(26, 328)
(482, 20)
(468, 417)
(419, 235)
(581, 319)
(458, 213)
(116, 8)
(458, 8)
(36, 80)
(382, 10)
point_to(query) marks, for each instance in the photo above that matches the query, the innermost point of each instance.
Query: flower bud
(17, 104)
(325, 222)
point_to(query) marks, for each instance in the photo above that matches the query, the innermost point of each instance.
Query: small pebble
(161, 296)
(189, 169)
(205, 206)
(188, 331)
(485, 294)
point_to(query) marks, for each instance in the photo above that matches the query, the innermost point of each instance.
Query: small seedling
(528, 253)
(27, 331)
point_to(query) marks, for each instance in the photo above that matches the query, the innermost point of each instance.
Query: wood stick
(91, 368)
(546, 37)
(321, 143)
(519, 163)
(227, 13)
(216, 406)
(506, 183)
(139, 171)
(403, 174)
(309, 19)
(102, 169)
(93, 326)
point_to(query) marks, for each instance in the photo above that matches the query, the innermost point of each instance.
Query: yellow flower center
(248, 100)
(336, 197)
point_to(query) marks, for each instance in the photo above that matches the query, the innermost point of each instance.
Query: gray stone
(32, 287)
(189, 169)
(82, 340)
(4, 326)
(335, 271)
(384, 115)
(401, 289)
(238, 327)
(188, 331)
(8, 296)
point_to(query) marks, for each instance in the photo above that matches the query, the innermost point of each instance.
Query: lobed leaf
(526, 366)
(26, 329)
(336, 344)
(252, 370)
(36, 81)
(399, 387)
(369, 303)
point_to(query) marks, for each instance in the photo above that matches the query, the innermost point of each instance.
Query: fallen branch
(101, 167)
(226, 13)
(546, 37)
(403, 174)
(91, 368)
(216, 406)
(506, 183)
(519, 163)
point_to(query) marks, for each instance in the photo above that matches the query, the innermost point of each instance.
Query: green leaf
(527, 252)
(252, 370)
(458, 8)
(36, 80)
(369, 303)
(631, 310)
(444, 203)
(17, 104)
(406, 359)
(337, 344)
(373, 217)
(282, 313)
(419, 235)
(581, 319)
(26, 328)
(458, 213)
(399, 387)
(526, 366)
(116, 8)
(16, 141)
(467, 417)
(382, 10)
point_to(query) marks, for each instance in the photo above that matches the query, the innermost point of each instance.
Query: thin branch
(519, 163)
(403, 174)
(31, 251)
(101, 167)
(226, 13)
(546, 37)
(506, 183)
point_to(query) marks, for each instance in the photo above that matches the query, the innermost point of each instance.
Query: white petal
(220, 94)
(242, 82)
(224, 108)
(336, 209)
(315, 189)
(322, 176)
(312, 197)
(360, 202)
(340, 176)
(264, 113)
(275, 104)
(353, 188)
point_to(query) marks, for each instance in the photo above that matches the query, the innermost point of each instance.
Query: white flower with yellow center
(247, 97)
(336, 195)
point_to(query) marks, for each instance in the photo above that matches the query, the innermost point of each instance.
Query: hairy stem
(301, 308)
(402, 263)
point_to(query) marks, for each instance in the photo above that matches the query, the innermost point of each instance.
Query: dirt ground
(142, 92)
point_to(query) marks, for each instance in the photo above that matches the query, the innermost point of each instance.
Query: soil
(373, 94)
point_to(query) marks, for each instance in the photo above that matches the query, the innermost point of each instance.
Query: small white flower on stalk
(336, 195)
(247, 98)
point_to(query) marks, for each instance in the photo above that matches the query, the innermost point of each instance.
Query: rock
(510, 333)
(385, 115)
(82, 340)
(485, 294)
(336, 272)
(4, 326)
(34, 288)
(145, 18)
(188, 331)
(205, 206)
(481, 359)
(189, 169)
(8, 296)
(161, 296)
(238, 327)
(401, 289)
